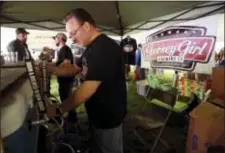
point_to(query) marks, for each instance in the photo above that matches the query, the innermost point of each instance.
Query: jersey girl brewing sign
(181, 47)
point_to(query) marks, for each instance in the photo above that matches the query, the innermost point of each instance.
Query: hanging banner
(188, 46)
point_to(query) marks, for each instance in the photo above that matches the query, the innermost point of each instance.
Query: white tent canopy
(112, 17)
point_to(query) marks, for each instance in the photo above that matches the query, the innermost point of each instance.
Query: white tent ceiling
(112, 17)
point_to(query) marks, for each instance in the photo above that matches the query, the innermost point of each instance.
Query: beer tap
(42, 99)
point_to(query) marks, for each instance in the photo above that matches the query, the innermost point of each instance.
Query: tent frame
(122, 30)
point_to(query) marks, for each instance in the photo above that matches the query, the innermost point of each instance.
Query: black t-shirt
(103, 61)
(17, 46)
(129, 47)
(65, 53)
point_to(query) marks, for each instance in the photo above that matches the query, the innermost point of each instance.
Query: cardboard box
(218, 82)
(218, 102)
(206, 128)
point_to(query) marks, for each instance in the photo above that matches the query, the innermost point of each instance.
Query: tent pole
(18, 21)
(120, 20)
(210, 5)
(185, 12)
(187, 19)
(1, 2)
(208, 13)
(14, 22)
(174, 18)
(109, 30)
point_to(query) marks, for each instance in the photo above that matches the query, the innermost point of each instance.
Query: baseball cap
(21, 30)
(60, 35)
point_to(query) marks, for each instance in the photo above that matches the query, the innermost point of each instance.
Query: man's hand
(65, 69)
(81, 95)
(38, 72)
(51, 63)
(66, 64)
(51, 69)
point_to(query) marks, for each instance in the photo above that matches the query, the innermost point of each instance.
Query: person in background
(78, 52)
(46, 55)
(139, 70)
(175, 79)
(19, 45)
(65, 82)
(104, 88)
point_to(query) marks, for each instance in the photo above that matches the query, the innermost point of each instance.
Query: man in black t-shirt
(104, 88)
(19, 45)
(65, 82)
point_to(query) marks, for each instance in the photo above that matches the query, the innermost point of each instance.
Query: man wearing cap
(19, 45)
(65, 83)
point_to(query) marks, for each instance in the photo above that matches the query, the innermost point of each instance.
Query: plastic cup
(15, 56)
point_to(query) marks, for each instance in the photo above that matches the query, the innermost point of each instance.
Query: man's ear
(87, 26)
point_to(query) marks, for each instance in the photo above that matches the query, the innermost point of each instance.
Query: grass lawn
(135, 102)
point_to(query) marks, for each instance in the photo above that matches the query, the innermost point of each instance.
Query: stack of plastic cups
(12, 57)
